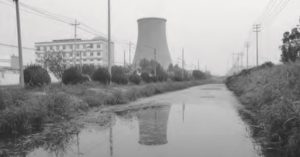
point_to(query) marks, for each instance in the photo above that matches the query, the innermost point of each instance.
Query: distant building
(75, 52)
(9, 70)
(14, 62)
(9, 62)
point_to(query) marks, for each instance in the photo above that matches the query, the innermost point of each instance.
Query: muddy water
(197, 122)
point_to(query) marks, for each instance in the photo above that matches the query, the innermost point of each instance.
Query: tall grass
(24, 113)
(271, 96)
(125, 94)
(27, 111)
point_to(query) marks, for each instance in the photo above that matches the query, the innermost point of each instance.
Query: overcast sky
(209, 30)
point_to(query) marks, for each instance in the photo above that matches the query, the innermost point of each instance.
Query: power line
(281, 8)
(59, 18)
(267, 10)
(15, 46)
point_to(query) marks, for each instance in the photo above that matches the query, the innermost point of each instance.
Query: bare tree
(55, 62)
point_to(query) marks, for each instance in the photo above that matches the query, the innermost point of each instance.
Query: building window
(71, 46)
(78, 54)
(98, 59)
(77, 46)
(99, 53)
(91, 54)
(64, 54)
(91, 46)
(84, 60)
(71, 54)
(38, 48)
(51, 47)
(84, 54)
(98, 46)
(64, 47)
(57, 47)
(91, 59)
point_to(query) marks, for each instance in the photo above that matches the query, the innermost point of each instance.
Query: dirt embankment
(271, 98)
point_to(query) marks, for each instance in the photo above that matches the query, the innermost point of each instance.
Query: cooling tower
(152, 37)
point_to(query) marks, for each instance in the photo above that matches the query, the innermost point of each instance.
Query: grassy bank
(27, 111)
(271, 97)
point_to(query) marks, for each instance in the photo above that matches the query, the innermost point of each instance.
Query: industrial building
(78, 51)
(152, 42)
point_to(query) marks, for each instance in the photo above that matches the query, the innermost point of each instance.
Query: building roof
(97, 38)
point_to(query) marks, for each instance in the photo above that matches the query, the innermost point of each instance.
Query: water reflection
(111, 144)
(186, 126)
(183, 112)
(153, 125)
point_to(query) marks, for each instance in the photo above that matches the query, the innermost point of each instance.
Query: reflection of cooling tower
(153, 123)
(152, 36)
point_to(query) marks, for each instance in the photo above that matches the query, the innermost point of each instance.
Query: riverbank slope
(26, 111)
(271, 98)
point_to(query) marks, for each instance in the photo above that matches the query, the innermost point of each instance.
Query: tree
(177, 74)
(73, 75)
(55, 62)
(199, 75)
(154, 70)
(101, 75)
(119, 75)
(291, 46)
(88, 70)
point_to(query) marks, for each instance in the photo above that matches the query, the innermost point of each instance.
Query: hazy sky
(209, 30)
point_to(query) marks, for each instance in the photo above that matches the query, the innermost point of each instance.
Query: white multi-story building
(76, 52)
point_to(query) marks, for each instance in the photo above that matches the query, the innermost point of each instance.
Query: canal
(197, 122)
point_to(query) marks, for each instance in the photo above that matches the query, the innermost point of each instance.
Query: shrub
(73, 76)
(177, 76)
(36, 76)
(58, 106)
(135, 78)
(26, 114)
(199, 75)
(161, 74)
(271, 94)
(119, 75)
(146, 77)
(21, 116)
(88, 70)
(101, 75)
(12, 97)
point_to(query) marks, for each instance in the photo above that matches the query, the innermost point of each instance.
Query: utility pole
(198, 65)
(242, 61)
(247, 55)
(237, 62)
(155, 56)
(130, 44)
(124, 58)
(76, 24)
(182, 63)
(109, 39)
(257, 29)
(19, 44)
